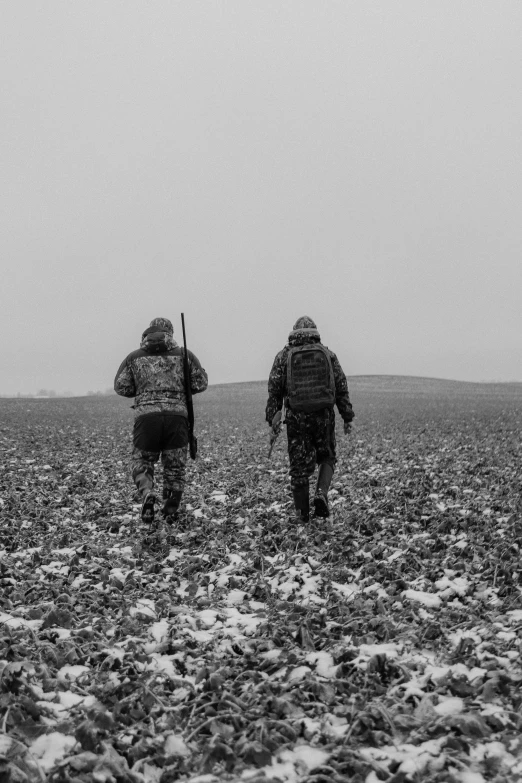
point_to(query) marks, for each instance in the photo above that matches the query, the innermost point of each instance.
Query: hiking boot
(321, 508)
(147, 508)
(172, 499)
(143, 477)
(301, 503)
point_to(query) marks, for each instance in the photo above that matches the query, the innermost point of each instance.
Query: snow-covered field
(381, 644)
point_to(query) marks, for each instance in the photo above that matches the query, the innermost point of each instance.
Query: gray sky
(251, 162)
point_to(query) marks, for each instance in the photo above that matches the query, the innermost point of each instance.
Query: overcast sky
(249, 162)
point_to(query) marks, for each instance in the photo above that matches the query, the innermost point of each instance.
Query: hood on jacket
(304, 331)
(157, 340)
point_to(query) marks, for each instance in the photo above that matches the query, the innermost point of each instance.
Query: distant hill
(384, 396)
(407, 383)
(402, 384)
(367, 384)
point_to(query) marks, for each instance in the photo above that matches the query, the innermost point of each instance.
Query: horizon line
(108, 393)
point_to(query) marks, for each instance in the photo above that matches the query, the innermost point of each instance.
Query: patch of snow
(68, 699)
(144, 608)
(507, 636)
(208, 617)
(311, 586)
(367, 651)
(218, 496)
(235, 597)
(309, 756)
(72, 673)
(248, 622)
(299, 673)
(151, 773)
(271, 655)
(56, 567)
(376, 587)
(159, 631)
(324, 664)
(347, 591)
(412, 759)
(439, 673)
(175, 745)
(18, 622)
(494, 749)
(165, 664)
(427, 599)
(450, 705)
(203, 637)
(79, 580)
(63, 633)
(446, 587)
(176, 554)
(468, 776)
(456, 638)
(461, 544)
(51, 748)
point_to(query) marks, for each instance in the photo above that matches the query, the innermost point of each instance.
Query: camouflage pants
(160, 435)
(311, 442)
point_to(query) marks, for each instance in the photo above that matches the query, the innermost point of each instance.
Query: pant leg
(301, 449)
(142, 469)
(324, 437)
(174, 463)
(174, 453)
(146, 450)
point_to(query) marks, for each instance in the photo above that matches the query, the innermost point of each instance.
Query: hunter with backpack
(308, 379)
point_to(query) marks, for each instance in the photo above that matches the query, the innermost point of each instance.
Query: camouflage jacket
(154, 376)
(277, 391)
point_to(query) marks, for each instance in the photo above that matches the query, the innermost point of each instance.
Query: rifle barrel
(193, 443)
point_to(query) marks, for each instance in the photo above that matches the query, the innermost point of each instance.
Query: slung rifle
(193, 441)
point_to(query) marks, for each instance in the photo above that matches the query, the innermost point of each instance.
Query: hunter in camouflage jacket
(154, 373)
(311, 436)
(277, 391)
(154, 376)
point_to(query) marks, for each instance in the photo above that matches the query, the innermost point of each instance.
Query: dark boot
(144, 481)
(302, 502)
(172, 498)
(321, 493)
(147, 507)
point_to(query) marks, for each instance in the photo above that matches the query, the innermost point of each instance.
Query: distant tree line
(53, 393)
(105, 393)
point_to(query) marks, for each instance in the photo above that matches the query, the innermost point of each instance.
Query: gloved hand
(275, 429)
(347, 427)
(276, 423)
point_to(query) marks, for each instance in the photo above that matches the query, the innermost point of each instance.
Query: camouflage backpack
(310, 380)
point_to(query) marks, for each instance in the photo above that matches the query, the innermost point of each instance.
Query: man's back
(153, 374)
(278, 382)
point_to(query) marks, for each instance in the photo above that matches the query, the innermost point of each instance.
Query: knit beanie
(162, 325)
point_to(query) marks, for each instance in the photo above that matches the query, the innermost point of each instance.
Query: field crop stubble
(382, 642)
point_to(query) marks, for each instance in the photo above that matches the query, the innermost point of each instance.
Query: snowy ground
(383, 644)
